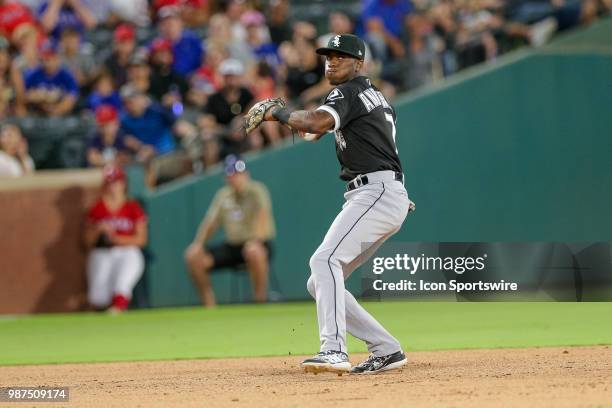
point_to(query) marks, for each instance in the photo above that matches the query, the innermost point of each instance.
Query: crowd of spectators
(175, 76)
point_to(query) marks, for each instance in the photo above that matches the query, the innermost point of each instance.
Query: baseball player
(116, 230)
(376, 204)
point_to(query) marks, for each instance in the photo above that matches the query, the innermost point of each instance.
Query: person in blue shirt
(148, 126)
(186, 45)
(108, 144)
(51, 89)
(384, 22)
(104, 93)
(57, 15)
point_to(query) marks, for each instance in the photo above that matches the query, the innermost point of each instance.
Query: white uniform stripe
(332, 112)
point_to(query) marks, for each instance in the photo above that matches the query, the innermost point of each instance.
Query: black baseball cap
(348, 44)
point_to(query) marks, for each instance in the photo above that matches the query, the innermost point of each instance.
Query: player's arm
(92, 234)
(316, 122)
(139, 238)
(206, 230)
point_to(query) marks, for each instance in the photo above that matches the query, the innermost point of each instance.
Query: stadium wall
(517, 152)
(42, 260)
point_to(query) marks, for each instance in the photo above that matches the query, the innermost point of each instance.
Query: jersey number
(389, 118)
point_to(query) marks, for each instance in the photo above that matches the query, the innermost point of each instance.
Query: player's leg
(385, 351)
(359, 323)
(256, 257)
(128, 267)
(200, 263)
(359, 222)
(99, 289)
(370, 214)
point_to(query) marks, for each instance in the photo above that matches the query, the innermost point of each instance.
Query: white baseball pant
(113, 271)
(370, 215)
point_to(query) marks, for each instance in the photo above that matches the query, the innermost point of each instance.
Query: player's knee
(310, 286)
(319, 262)
(254, 251)
(190, 256)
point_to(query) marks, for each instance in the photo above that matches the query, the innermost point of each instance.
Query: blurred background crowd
(166, 82)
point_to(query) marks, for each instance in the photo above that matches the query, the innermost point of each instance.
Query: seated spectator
(279, 22)
(57, 15)
(194, 13)
(263, 84)
(124, 47)
(422, 58)
(14, 158)
(186, 45)
(385, 23)
(147, 125)
(26, 41)
(139, 73)
(14, 16)
(196, 99)
(51, 89)
(115, 233)
(11, 85)
(108, 144)
(305, 74)
(77, 57)
(167, 86)
(220, 34)
(104, 93)
(216, 53)
(233, 99)
(258, 38)
(243, 209)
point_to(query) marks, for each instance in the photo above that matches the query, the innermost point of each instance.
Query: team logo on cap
(336, 41)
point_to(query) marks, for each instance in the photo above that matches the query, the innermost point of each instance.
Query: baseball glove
(255, 115)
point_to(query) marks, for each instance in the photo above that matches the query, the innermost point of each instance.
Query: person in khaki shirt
(244, 210)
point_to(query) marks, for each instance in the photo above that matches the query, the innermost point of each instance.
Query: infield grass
(291, 328)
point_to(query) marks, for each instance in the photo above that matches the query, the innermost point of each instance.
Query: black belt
(360, 181)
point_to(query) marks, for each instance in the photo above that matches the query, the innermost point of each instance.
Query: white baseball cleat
(374, 365)
(327, 361)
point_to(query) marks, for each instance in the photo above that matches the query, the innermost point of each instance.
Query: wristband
(282, 115)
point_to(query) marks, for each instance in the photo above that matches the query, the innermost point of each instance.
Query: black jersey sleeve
(341, 104)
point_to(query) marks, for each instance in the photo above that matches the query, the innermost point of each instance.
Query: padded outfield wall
(516, 152)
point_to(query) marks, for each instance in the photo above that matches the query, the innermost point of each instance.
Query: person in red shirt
(12, 15)
(116, 231)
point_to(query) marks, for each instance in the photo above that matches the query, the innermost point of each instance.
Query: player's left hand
(261, 111)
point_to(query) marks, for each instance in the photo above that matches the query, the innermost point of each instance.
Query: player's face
(340, 68)
(116, 187)
(237, 180)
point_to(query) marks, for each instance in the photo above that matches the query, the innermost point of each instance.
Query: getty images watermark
(413, 265)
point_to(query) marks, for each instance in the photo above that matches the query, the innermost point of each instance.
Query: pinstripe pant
(370, 215)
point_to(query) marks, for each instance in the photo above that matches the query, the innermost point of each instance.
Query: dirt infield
(538, 377)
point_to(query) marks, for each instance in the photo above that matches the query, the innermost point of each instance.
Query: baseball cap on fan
(234, 164)
(348, 44)
(124, 32)
(231, 66)
(106, 114)
(48, 48)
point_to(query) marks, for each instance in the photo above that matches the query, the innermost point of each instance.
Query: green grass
(280, 329)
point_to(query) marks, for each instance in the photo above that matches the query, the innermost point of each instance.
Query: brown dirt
(537, 377)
